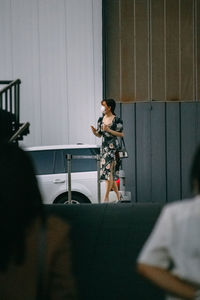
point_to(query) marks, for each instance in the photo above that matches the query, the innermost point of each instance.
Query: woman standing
(109, 127)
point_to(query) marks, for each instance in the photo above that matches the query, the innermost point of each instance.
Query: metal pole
(69, 157)
(98, 179)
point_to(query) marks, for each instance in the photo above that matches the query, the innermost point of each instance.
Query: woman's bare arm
(167, 281)
(113, 132)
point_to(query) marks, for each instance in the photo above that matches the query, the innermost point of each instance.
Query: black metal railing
(10, 97)
(10, 102)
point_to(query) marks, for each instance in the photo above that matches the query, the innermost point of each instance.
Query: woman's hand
(105, 127)
(94, 130)
(113, 132)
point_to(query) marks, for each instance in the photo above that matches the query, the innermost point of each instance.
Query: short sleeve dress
(110, 162)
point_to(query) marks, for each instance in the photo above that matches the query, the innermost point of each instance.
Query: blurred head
(7, 125)
(18, 184)
(20, 201)
(109, 105)
(195, 172)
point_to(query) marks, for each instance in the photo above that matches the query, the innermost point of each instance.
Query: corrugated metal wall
(152, 50)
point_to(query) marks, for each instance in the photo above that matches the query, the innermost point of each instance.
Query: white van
(51, 169)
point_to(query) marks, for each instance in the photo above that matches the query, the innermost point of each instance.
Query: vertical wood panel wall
(55, 48)
(152, 50)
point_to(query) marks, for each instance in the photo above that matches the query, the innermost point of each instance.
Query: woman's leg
(115, 189)
(106, 197)
(109, 184)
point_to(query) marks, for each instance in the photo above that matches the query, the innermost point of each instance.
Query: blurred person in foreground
(7, 125)
(171, 256)
(33, 246)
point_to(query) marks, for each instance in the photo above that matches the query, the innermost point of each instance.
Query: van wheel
(76, 199)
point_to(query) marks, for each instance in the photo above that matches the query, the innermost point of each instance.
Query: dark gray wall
(161, 138)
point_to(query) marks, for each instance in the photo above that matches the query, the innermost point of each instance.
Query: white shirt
(175, 241)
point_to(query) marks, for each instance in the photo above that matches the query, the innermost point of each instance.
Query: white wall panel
(97, 61)
(80, 79)
(54, 47)
(53, 71)
(5, 40)
(25, 60)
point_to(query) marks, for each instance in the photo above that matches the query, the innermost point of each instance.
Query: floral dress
(110, 162)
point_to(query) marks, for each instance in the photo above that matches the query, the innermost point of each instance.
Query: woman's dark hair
(110, 103)
(20, 203)
(195, 171)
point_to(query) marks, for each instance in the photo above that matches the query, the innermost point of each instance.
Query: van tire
(76, 199)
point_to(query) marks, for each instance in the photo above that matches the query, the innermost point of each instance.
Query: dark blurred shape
(19, 191)
(10, 129)
(8, 125)
(35, 256)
